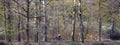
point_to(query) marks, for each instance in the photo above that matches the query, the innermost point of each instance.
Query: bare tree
(81, 22)
(19, 24)
(19, 20)
(38, 19)
(74, 23)
(9, 18)
(4, 8)
(28, 21)
(46, 21)
(100, 21)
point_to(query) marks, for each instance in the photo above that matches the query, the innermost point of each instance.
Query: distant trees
(8, 19)
(44, 19)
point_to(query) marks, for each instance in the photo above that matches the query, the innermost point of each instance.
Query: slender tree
(19, 22)
(37, 21)
(100, 21)
(4, 9)
(9, 18)
(74, 21)
(46, 22)
(28, 17)
(81, 22)
(74, 24)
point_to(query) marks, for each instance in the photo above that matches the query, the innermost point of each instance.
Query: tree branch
(20, 5)
(25, 15)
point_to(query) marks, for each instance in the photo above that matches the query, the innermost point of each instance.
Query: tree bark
(100, 21)
(81, 23)
(74, 24)
(27, 25)
(46, 22)
(4, 18)
(37, 24)
(19, 20)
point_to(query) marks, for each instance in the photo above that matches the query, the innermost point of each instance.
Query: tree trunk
(82, 28)
(100, 21)
(37, 23)
(19, 20)
(9, 20)
(46, 22)
(27, 25)
(74, 24)
(81, 23)
(4, 19)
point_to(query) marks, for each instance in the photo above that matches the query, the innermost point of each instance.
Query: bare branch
(20, 13)
(25, 15)
(20, 5)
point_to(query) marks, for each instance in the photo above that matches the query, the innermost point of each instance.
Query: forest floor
(70, 43)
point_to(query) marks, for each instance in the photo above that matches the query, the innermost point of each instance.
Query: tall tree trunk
(27, 25)
(46, 22)
(37, 23)
(9, 20)
(19, 20)
(82, 28)
(100, 21)
(4, 19)
(74, 23)
(81, 22)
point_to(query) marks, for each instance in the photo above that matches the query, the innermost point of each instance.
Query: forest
(59, 22)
